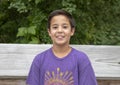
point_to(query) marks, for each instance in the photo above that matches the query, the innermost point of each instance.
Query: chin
(61, 44)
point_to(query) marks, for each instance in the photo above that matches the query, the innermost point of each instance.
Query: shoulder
(81, 56)
(41, 56)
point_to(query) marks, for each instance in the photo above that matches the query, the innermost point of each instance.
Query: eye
(54, 27)
(65, 27)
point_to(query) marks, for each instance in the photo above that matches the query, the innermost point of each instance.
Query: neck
(61, 51)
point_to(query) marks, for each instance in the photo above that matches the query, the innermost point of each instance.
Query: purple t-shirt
(73, 69)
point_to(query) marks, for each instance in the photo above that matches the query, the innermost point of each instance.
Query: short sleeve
(34, 74)
(86, 72)
(87, 77)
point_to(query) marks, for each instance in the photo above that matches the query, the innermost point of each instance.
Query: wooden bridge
(15, 61)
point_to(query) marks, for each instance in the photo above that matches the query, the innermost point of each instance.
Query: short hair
(61, 12)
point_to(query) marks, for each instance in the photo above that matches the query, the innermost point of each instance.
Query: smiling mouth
(60, 37)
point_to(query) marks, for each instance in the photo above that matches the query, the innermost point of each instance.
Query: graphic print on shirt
(59, 78)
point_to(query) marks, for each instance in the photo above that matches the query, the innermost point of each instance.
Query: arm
(34, 74)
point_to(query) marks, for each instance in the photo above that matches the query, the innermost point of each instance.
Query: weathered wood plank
(105, 60)
(12, 82)
(15, 59)
(22, 82)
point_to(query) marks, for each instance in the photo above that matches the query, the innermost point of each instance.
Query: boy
(61, 64)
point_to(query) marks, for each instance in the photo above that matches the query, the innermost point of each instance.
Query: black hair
(61, 12)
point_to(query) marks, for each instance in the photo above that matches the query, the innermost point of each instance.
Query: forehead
(60, 19)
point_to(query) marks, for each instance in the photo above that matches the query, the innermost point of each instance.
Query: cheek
(51, 33)
(69, 33)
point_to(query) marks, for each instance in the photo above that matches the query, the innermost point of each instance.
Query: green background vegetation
(24, 21)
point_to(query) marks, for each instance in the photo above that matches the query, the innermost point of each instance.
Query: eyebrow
(54, 24)
(65, 24)
(57, 24)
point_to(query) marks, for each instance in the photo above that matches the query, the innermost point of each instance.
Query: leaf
(29, 0)
(31, 30)
(34, 40)
(21, 31)
(20, 6)
(37, 1)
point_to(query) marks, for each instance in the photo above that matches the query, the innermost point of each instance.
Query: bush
(24, 21)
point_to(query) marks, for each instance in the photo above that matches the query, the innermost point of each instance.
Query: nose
(60, 29)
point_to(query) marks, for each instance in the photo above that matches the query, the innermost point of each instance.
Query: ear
(49, 32)
(72, 31)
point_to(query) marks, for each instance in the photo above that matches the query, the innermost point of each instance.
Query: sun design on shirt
(59, 78)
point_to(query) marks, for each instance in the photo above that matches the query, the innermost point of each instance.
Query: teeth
(59, 36)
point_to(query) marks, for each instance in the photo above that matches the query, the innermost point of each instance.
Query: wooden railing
(15, 61)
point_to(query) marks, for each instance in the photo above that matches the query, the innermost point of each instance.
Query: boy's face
(60, 30)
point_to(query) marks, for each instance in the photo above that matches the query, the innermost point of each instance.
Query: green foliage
(8, 25)
(25, 21)
(19, 5)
